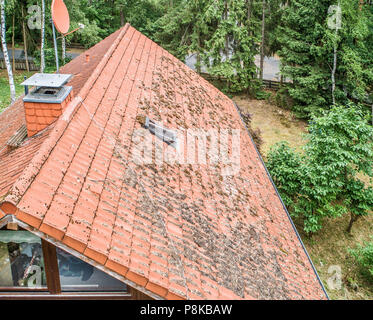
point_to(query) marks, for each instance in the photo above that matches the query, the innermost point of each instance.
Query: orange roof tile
(13, 117)
(180, 231)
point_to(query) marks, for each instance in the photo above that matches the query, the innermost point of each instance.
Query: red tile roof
(178, 231)
(12, 118)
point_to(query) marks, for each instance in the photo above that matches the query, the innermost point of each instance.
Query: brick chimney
(47, 101)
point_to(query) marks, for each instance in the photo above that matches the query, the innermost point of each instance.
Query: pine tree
(234, 41)
(302, 55)
(184, 29)
(325, 66)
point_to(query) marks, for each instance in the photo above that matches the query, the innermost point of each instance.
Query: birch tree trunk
(198, 64)
(335, 52)
(333, 72)
(122, 21)
(5, 52)
(227, 36)
(42, 55)
(249, 15)
(25, 39)
(63, 49)
(13, 48)
(262, 46)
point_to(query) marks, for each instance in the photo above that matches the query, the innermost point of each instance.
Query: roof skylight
(166, 135)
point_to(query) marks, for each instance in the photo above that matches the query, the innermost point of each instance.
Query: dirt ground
(329, 247)
(274, 123)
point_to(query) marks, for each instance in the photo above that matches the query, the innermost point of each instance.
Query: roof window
(166, 135)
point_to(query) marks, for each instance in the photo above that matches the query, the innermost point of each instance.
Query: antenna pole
(55, 47)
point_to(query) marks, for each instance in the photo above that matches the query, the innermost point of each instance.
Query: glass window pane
(21, 260)
(77, 275)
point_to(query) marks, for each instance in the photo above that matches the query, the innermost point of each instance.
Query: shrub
(285, 167)
(50, 59)
(363, 255)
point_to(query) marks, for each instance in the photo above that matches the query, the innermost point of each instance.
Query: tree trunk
(262, 46)
(63, 49)
(5, 52)
(198, 64)
(353, 218)
(122, 21)
(227, 36)
(333, 71)
(25, 39)
(42, 56)
(249, 3)
(13, 48)
(249, 10)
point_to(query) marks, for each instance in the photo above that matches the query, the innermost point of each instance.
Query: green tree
(314, 56)
(230, 51)
(363, 255)
(300, 34)
(338, 152)
(184, 29)
(285, 167)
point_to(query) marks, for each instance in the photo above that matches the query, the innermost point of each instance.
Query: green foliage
(220, 33)
(307, 54)
(285, 167)
(4, 87)
(231, 49)
(100, 17)
(50, 60)
(300, 33)
(324, 182)
(363, 255)
(183, 29)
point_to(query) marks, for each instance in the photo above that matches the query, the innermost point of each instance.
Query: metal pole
(55, 47)
(26, 87)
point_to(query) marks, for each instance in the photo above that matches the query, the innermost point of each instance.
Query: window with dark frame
(31, 265)
(21, 261)
(77, 275)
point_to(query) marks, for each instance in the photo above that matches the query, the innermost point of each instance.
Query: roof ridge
(24, 181)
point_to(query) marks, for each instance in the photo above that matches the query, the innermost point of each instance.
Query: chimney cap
(47, 80)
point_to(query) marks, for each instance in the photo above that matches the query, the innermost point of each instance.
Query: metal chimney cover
(53, 80)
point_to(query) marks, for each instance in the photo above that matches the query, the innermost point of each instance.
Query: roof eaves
(79, 255)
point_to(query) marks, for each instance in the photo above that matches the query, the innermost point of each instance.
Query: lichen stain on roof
(177, 230)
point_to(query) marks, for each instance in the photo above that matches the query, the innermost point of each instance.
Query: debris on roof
(16, 140)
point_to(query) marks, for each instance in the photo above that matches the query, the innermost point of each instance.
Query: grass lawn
(4, 86)
(329, 246)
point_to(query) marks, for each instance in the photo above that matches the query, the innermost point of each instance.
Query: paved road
(271, 66)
